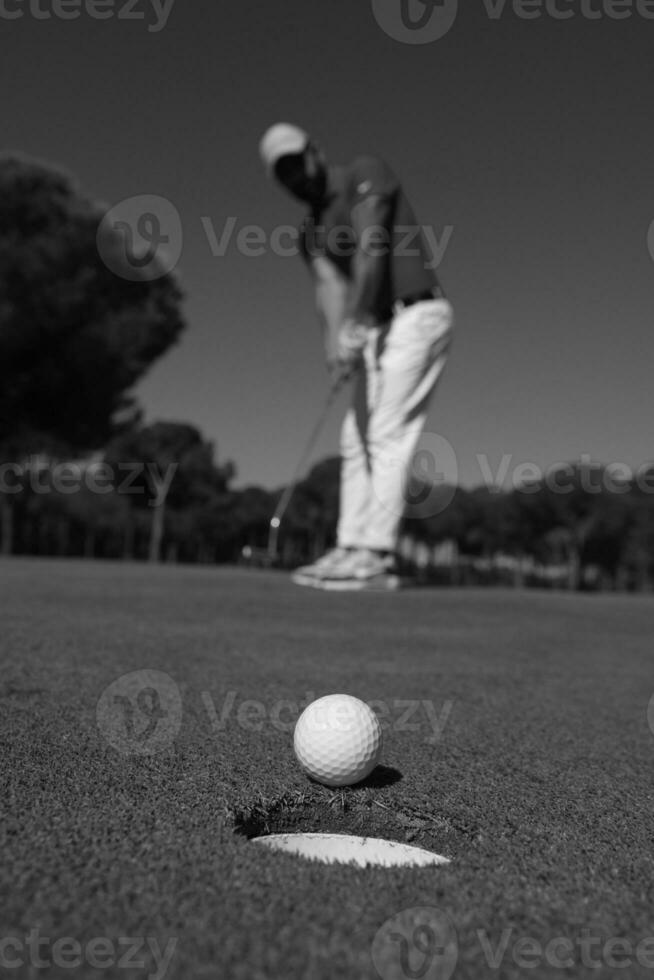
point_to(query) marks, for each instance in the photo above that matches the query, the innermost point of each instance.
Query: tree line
(157, 493)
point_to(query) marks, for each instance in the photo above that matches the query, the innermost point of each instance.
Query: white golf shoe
(329, 563)
(362, 569)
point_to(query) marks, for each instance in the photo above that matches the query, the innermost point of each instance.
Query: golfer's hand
(350, 341)
(344, 349)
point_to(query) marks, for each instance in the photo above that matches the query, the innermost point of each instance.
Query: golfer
(386, 323)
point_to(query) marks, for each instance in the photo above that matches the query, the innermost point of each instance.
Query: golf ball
(338, 740)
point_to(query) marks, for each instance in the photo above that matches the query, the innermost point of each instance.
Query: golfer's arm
(371, 220)
(332, 297)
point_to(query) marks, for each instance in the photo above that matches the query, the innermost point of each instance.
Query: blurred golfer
(385, 321)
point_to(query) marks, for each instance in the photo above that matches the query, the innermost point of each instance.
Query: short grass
(517, 744)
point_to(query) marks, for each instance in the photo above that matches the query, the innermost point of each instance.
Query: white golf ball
(338, 740)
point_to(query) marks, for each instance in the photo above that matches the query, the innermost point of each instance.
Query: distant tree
(636, 566)
(74, 336)
(213, 533)
(97, 521)
(250, 511)
(571, 503)
(480, 529)
(313, 512)
(173, 468)
(604, 547)
(433, 511)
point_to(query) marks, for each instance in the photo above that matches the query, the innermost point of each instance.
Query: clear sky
(532, 139)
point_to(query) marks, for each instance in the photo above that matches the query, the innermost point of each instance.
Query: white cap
(281, 140)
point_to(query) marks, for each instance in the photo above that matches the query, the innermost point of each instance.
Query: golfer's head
(292, 157)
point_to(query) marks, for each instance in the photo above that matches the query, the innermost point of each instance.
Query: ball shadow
(381, 776)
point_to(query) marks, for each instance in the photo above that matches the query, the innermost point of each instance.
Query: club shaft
(287, 494)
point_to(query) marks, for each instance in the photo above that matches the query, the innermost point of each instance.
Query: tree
(313, 511)
(636, 566)
(74, 336)
(570, 503)
(172, 468)
(250, 513)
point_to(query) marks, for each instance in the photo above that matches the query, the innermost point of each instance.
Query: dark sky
(532, 139)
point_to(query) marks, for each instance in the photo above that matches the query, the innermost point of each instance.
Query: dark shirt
(367, 229)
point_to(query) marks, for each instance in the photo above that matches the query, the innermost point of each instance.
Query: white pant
(402, 363)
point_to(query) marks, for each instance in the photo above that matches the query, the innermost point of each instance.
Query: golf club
(285, 498)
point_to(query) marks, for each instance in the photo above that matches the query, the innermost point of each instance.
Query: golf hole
(346, 827)
(347, 849)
